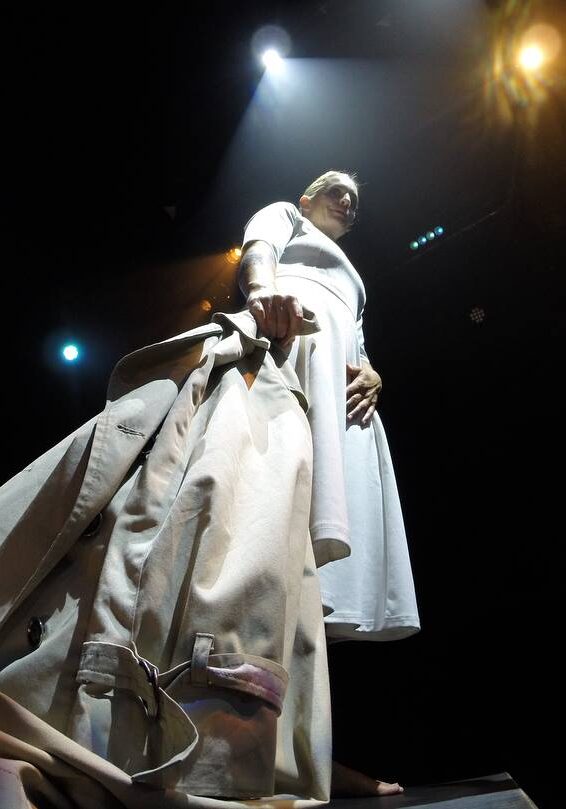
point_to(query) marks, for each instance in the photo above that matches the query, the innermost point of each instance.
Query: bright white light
(271, 44)
(531, 57)
(272, 60)
(70, 353)
(544, 37)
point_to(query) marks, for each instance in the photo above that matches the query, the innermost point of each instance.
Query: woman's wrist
(265, 288)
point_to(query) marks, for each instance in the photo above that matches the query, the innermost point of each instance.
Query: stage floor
(488, 792)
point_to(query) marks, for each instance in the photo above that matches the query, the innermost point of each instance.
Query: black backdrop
(111, 118)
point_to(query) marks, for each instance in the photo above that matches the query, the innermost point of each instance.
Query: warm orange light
(234, 255)
(539, 44)
(205, 305)
(531, 57)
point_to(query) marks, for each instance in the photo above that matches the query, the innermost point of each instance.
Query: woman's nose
(346, 200)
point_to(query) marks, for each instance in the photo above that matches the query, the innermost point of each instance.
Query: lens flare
(531, 57)
(544, 37)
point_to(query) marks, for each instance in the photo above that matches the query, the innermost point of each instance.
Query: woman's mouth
(342, 214)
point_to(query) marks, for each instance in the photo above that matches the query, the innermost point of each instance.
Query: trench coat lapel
(137, 404)
(141, 391)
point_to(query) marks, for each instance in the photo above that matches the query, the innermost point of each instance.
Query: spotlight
(540, 43)
(272, 60)
(431, 235)
(70, 353)
(414, 245)
(531, 57)
(271, 44)
(439, 231)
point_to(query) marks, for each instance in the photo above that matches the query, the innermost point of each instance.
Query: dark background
(136, 146)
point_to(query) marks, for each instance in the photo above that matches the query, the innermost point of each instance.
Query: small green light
(430, 235)
(414, 245)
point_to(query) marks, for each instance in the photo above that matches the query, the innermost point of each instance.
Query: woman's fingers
(354, 378)
(282, 321)
(279, 317)
(364, 408)
(256, 308)
(353, 370)
(289, 318)
(270, 317)
(369, 413)
(353, 400)
(295, 322)
(357, 410)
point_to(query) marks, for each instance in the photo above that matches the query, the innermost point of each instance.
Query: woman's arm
(257, 267)
(277, 316)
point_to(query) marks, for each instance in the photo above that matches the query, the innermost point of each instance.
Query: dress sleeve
(274, 225)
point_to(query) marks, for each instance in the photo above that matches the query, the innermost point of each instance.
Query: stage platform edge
(497, 791)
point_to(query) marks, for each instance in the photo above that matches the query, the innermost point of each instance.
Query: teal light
(70, 352)
(430, 236)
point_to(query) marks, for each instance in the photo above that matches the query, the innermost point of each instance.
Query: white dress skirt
(356, 522)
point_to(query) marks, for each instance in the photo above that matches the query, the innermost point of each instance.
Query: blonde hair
(328, 179)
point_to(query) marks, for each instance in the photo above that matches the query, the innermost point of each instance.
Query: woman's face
(333, 210)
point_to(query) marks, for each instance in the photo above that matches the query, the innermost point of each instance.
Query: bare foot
(348, 783)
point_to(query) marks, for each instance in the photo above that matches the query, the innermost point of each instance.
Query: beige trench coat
(159, 604)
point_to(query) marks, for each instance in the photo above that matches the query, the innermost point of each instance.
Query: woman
(291, 262)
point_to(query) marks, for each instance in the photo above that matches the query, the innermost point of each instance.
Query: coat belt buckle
(152, 674)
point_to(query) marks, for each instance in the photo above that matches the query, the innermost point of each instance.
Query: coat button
(94, 526)
(35, 632)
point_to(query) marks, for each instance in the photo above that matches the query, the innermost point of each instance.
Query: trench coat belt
(116, 666)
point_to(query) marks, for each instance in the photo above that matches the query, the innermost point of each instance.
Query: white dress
(356, 521)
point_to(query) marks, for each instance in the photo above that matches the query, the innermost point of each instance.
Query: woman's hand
(362, 391)
(278, 317)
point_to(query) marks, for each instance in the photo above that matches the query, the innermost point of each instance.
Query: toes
(383, 788)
